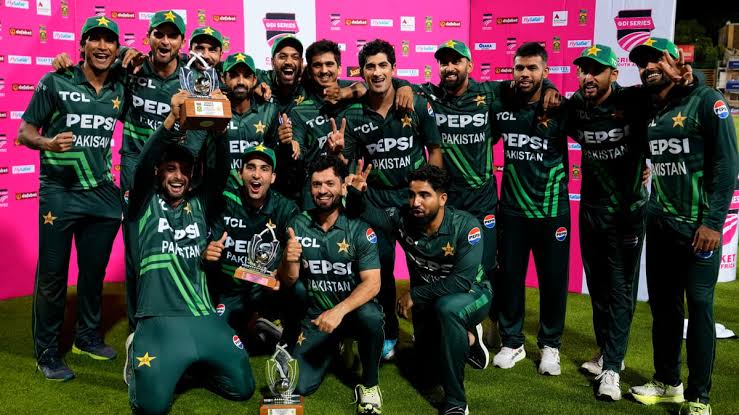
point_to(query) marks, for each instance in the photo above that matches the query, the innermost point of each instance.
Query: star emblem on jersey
(260, 127)
(406, 120)
(448, 249)
(187, 208)
(102, 21)
(301, 339)
(208, 31)
(480, 100)
(169, 16)
(678, 120)
(649, 42)
(299, 99)
(593, 51)
(48, 218)
(270, 225)
(544, 121)
(145, 360)
(343, 246)
(240, 57)
(116, 103)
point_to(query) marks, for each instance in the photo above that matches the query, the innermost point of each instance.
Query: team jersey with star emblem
(445, 263)
(67, 102)
(692, 145)
(286, 103)
(331, 261)
(611, 136)
(311, 122)
(257, 125)
(395, 145)
(535, 152)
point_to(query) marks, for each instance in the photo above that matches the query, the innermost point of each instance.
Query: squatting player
(450, 294)
(692, 145)
(177, 323)
(76, 113)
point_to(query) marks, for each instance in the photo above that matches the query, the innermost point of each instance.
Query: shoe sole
(129, 341)
(478, 331)
(517, 359)
(55, 379)
(653, 400)
(77, 350)
(607, 398)
(588, 371)
(370, 410)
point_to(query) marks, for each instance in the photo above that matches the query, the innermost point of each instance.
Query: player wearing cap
(336, 258)
(208, 43)
(287, 68)
(449, 294)
(692, 145)
(533, 214)
(70, 120)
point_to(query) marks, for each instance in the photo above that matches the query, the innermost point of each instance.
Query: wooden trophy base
(277, 406)
(205, 113)
(266, 280)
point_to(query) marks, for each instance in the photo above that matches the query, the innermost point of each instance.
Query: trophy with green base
(282, 377)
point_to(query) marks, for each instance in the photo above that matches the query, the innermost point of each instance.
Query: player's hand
(335, 141)
(552, 99)
(678, 71)
(264, 91)
(218, 94)
(329, 320)
(332, 93)
(295, 149)
(404, 99)
(62, 62)
(60, 143)
(645, 175)
(134, 59)
(405, 303)
(293, 249)
(215, 248)
(176, 103)
(706, 239)
(285, 130)
(358, 180)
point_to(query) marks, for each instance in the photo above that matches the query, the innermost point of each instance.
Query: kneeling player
(177, 324)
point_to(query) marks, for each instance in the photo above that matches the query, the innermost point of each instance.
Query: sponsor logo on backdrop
(582, 17)
(17, 4)
(16, 115)
(100, 10)
(335, 20)
(279, 25)
(576, 172)
(574, 146)
(450, 23)
(511, 44)
(2, 58)
(405, 46)
(355, 22)
(42, 34)
(64, 8)
(342, 47)
(575, 196)
(2, 84)
(43, 60)
(360, 43)
(129, 38)
(487, 21)
(506, 20)
(559, 18)
(4, 170)
(427, 75)
(532, 19)
(485, 69)
(23, 87)
(122, 15)
(426, 48)
(224, 18)
(26, 195)
(20, 31)
(484, 46)
(556, 44)
(407, 23)
(408, 72)
(584, 43)
(3, 115)
(25, 169)
(63, 36)
(503, 70)
(381, 22)
(633, 27)
(146, 15)
(3, 197)
(3, 143)
(353, 71)
(559, 69)
(429, 24)
(201, 17)
(730, 227)
(43, 7)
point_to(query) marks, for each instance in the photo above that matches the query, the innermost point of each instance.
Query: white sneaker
(594, 366)
(127, 369)
(369, 400)
(507, 357)
(549, 364)
(609, 388)
(657, 392)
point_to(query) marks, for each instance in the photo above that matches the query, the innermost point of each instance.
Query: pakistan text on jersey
(330, 286)
(669, 169)
(92, 141)
(606, 154)
(523, 155)
(448, 138)
(391, 163)
(187, 252)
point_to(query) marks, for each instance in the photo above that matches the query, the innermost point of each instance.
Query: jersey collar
(341, 222)
(79, 78)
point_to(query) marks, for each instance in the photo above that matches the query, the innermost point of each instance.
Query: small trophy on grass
(282, 377)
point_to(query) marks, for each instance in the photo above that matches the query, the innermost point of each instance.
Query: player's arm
(37, 114)
(429, 131)
(289, 269)
(387, 220)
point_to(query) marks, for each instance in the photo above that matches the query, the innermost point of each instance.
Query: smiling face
(528, 73)
(424, 201)
(650, 72)
(257, 175)
(208, 48)
(99, 49)
(454, 70)
(326, 188)
(324, 70)
(174, 179)
(240, 81)
(287, 64)
(378, 73)
(595, 79)
(165, 41)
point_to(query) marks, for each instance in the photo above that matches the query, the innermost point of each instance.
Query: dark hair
(327, 162)
(532, 49)
(435, 176)
(373, 48)
(176, 152)
(323, 46)
(86, 36)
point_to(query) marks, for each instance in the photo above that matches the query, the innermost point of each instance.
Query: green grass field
(99, 389)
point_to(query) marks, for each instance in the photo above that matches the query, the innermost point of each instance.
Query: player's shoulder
(712, 100)
(287, 207)
(422, 105)
(462, 221)
(300, 221)
(361, 231)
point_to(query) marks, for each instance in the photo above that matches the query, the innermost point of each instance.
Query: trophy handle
(196, 56)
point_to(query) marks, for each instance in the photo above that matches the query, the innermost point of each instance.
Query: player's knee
(371, 318)
(241, 392)
(446, 309)
(150, 406)
(306, 387)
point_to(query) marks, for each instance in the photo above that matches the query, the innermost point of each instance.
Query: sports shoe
(53, 367)
(369, 400)
(695, 408)
(388, 349)
(594, 366)
(657, 392)
(478, 356)
(267, 332)
(94, 347)
(507, 357)
(549, 364)
(609, 388)
(127, 368)
(455, 410)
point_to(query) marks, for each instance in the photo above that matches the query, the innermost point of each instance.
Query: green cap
(287, 40)
(238, 58)
(167, 16)
(602, 54)
(207, 31)
(456, 46)
(640, 52)
(95, 22)
(259, 150)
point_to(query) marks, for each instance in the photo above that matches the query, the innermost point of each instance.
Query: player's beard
(240, 93)
(425, 218)
(335, 204)
(453, 85)
(655, 86)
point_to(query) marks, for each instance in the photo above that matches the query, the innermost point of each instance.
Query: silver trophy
(282, 378)
(261, 253)
(198, 83)
(202, 111)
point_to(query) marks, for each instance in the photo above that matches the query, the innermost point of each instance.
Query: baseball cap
(259, 150)
(209, 32)
(602, 54)
(640, 53)
(167, 16)
(288, 40)
(456, 46)
(239, 58)
(96, 22)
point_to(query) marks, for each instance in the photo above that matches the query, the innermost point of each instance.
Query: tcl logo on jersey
(489, 221)
(308, 242)
(670, 145)
(91, 121)
(384, 145)
(191, 231)
(523, 140)
(595, 137)
(560, 234)
(319, 120)
(720, 109)
(73, 96)
(462, 120)
(151, 107)
(323, 267)
(371, 236)
(474, 236)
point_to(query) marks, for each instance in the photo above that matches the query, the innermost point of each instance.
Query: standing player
(284, 77)
(534, 213)
(450, 294)
(70, 120)
(177, 324)
(336, 258)
(208, 43)
(395, 142)
(692, 145)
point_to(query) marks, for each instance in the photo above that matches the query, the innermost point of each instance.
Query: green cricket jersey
(257, 125)
(67, 102)
(535, 176)
(692, 145)
(331, 261)
(394, 145)
(300, 93)
(445, 263)
(311, 121)
(611, 136)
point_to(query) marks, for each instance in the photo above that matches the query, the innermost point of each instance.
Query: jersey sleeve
(366, 249)
(387, 220)
(427, 122)
(42, 103)
(299, 130)
(721, 158)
